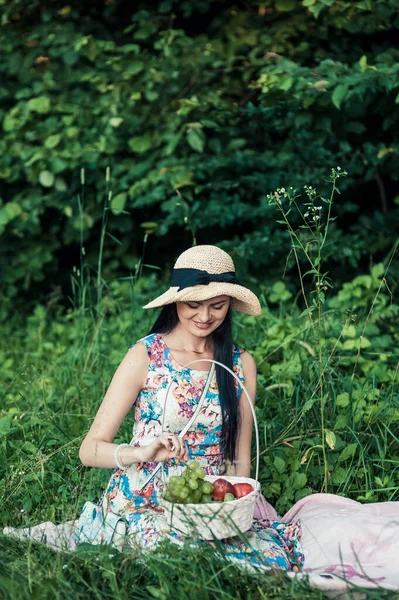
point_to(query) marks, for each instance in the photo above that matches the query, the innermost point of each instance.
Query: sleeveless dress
(131, 500)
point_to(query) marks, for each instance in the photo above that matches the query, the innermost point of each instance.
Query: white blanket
(347, 543)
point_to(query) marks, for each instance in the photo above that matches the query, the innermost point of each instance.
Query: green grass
(56, 367)
(31, 571)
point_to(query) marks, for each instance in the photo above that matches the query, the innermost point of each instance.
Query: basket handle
(199, 405)
(241, 384)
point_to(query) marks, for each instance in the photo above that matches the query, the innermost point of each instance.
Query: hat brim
(243, 300)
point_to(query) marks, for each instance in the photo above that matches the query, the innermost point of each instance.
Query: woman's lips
(202, 325)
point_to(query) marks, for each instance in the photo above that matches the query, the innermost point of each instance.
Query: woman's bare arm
(97, 449)
(243, 453)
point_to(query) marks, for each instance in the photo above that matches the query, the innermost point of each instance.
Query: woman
(193, 326)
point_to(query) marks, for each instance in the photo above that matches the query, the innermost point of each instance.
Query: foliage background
(199, 109)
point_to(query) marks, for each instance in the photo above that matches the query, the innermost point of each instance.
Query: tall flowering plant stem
(308, 242)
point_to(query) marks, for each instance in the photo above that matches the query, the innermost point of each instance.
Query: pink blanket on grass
(345, 543)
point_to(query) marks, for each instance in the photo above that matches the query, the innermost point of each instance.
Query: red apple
(221, 487)
(242, 489)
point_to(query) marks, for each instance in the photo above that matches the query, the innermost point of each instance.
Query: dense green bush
(199, 109)
(360, 399)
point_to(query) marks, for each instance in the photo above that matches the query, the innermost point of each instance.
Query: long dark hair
(222, 339)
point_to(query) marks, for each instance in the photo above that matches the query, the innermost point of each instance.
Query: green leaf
(348, 452)
(150, 225)
(363, 63)
(339, 94)
(115, 121)
(157, 592)
(342, 399)
(307, 311)
(286, 83)
(377, 271)
(5, 425)
(349, 344)
(339, 475)
(385, 152)
(349, 331)
(46, 178)
(196, 139)
(40, 105)
(279, 292)
(70, 58)
(299, 480)
(330, 438)
(134, 67)
(60, 184)
(52, 141)
(118, 203)
(8, 212)
(140, 143)
(285, 5)
(29, 447)
(10, 121)
(279, 463)
(364, 342)
(309, 403)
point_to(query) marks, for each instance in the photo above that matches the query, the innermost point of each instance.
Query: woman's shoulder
(138, 350)
(146, 342)
(134, 364)
(246, 359)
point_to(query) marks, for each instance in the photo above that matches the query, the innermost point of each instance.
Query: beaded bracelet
(116, 456)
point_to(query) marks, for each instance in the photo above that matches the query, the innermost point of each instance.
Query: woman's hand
(163, 448)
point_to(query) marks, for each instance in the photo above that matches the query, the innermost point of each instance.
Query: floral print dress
(131, 501)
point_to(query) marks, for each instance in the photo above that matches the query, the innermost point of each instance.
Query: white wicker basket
(217, 520)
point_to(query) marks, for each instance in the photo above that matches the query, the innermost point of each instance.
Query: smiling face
(202, 318)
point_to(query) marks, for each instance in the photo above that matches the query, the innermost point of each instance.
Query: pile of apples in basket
(191, 488)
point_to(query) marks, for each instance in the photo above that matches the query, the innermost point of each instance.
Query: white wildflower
(22, 510)
(306, 214)
(338, 168)
(283, 190)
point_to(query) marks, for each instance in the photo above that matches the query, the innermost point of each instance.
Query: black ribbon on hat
(184, 278)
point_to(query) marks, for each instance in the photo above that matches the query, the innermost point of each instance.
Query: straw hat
(204, 272)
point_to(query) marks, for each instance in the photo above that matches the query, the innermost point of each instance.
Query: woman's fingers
(186, 454)
(179, 447)
(176, 446)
